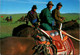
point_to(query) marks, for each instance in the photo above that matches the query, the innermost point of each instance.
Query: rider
(46, 18)
(47, 22)
(56, 15)
(32, 17)
(10, 18)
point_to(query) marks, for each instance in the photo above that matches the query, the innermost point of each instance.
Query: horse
(69, 24)
(22, 19)
(72, 28)
(24, 30)
(17, 46)
(69, 27)
(21, 44)
(7, 19)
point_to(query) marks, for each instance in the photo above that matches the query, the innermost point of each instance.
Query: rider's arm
(27, 18)
(57, 16)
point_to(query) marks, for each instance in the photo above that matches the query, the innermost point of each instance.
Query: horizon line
(26, 13)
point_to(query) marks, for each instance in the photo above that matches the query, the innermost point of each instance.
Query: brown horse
(69, 24)
(23, 45)
(16, 46)
(24, 30)
(22, 19)
(72, 28)
(7, 19)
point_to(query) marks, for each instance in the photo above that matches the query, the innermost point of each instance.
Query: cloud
(37, 2)
(8, 0)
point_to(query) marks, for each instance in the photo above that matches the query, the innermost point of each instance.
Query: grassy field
(7, 27)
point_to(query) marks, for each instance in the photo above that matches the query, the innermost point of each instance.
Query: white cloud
(31, 2)
(26, 1)
(11, 0)
(39, 2)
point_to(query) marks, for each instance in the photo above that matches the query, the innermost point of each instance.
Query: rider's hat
(34, 7)
(59, 4)
(50, 3)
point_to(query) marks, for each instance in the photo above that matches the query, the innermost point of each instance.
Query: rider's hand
(39, 23)
(63, 18)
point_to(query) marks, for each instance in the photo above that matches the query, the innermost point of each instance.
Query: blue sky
(23, 6)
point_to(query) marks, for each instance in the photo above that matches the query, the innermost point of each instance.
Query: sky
(23, 6)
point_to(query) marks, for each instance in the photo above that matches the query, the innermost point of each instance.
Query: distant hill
(72, 13)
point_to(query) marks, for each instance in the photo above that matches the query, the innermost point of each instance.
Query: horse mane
(20, 27)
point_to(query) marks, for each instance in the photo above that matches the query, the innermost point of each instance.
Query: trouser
(57, 25)
(35, 24)
(46, 27)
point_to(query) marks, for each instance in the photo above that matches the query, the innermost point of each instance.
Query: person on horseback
(10, 18)
(56, 15)
(47, 21)
(22, 18)
(32, 17)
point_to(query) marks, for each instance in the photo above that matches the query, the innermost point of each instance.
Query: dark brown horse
(69, 24)
(22, 19)
(24, 30)
(72, 28)
(7, 19)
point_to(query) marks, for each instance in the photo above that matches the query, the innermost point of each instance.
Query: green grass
(69, 17)
(14, 16)
(6, 28)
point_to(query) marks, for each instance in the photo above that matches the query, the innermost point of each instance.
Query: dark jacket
(56, 15)
(31, 16)
(46, 17)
